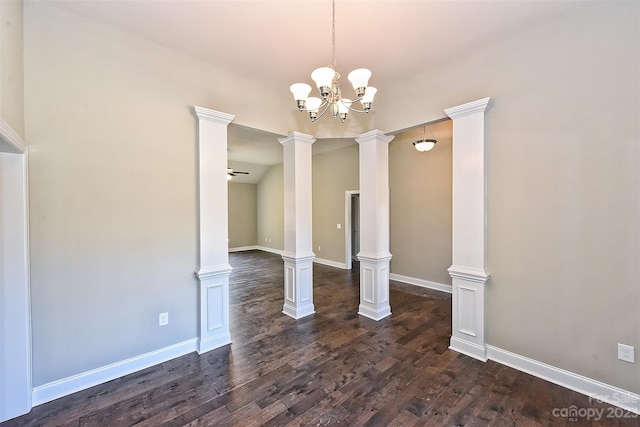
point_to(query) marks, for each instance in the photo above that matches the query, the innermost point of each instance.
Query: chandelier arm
(326, 107)
(321, 105)
(355, 109)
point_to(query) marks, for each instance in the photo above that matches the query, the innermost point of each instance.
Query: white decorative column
(298, 255)
(468, 272)
(214, 269)
(374, 253)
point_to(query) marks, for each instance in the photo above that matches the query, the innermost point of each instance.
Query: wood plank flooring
(330, 368)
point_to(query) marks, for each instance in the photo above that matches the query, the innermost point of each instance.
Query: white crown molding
(14, 143)
(374, 135)
(592, 388)
(213, 115)
(294, 136)
(441, 287)
(63, 387)
(481, 105)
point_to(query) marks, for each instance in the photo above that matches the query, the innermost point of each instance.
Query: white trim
(271, 250)
(469, 274)
(243, 248)
(469, 233)
(595, 389)
(211, 271)
(348, 261)
(213, 115)
(442, 287)
(11, 139)
(469, 348)
(330, 263)
(56, 389)
(16, 331)
(480, 106)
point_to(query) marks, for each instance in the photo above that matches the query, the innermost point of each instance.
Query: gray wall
(11, 65)
(271, 209)
(334, 173)
(420, 209)
(112, 183)
(243, 215)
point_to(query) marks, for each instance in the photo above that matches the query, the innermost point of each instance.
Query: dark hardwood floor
(330, 368)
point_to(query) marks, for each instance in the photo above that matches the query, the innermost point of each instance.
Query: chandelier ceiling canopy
(326, 80)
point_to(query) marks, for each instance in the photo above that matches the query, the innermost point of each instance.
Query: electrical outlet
(626, 353)
(163, 319)
(318, 247)
(339, 226)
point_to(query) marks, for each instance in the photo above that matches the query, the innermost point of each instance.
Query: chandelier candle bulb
(367, 98)
(300, 93)
(343, 108)
(313, 105)
(359, 78)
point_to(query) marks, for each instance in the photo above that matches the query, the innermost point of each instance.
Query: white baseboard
(421, 282)
(330, 263)
(243, 248)
(594, 389)
(468, 348)
(272, 250)
(63, 387)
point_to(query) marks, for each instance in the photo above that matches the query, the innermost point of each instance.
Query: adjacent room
(189, 235)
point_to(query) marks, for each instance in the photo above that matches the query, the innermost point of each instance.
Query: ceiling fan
(231, 172)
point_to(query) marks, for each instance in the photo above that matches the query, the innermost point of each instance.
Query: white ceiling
(279, 42)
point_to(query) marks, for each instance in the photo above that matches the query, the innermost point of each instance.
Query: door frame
(16, 386)
(347, 227)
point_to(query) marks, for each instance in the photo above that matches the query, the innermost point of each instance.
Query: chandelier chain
(333, 35)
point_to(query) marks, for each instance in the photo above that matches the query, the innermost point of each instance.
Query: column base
(467, 332)
(298, 285)
(374, 286)
(214, 307)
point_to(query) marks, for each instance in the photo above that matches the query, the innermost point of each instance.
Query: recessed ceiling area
(255, 151)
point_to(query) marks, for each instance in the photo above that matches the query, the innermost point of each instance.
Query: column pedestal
(467, 334)
(298, 285)
(374, 286)
(214, 307)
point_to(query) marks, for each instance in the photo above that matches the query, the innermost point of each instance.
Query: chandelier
(326, 79)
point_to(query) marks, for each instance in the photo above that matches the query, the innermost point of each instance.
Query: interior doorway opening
(352, 228)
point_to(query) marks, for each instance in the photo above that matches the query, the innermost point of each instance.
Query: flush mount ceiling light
(326, 79)
(425, 144)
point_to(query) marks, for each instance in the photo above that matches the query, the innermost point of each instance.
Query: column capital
(375, 135)
(481, 105)
(294, 136)
(213, 115)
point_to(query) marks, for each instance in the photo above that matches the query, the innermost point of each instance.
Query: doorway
(352, 228)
